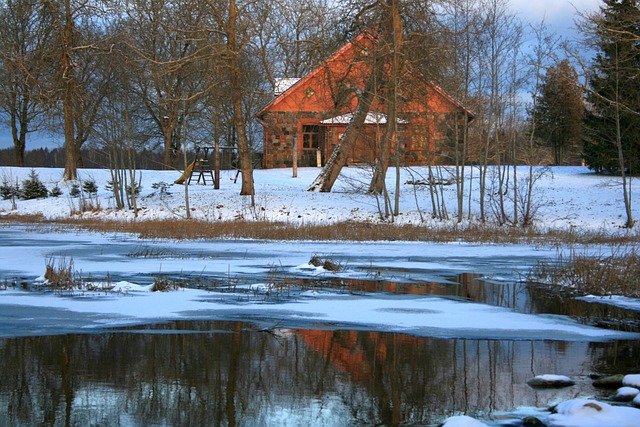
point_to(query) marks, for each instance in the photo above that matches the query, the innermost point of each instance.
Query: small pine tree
(33, 188)
(90, 187)
(8, 189)
(55, 191)
(75, 190)
(136, 189)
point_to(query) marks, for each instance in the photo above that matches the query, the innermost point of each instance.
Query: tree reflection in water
(229, 373)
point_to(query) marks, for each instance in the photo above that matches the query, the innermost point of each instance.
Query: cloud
(559, 15)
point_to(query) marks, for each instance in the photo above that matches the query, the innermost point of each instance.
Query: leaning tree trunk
(329, 174)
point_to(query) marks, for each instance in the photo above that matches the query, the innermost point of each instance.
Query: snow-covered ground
(568, 197)
(565, 197)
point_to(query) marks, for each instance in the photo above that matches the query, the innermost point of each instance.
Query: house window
(310, 137)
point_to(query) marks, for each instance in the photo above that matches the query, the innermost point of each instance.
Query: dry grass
(617, 273)
(326, 263)
(181, 229)
(163, 284)
(60, 275)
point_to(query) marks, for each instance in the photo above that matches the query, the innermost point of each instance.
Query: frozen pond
(403, 334)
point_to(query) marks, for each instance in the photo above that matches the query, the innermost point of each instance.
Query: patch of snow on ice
(462, 421)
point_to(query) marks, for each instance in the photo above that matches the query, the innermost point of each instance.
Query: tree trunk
(329, 174)
(19, 136)
(167, 132)
(68, 81)
(393, 38)
(70, 166)
(235, 80)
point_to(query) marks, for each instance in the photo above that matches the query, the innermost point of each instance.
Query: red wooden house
(313, 112)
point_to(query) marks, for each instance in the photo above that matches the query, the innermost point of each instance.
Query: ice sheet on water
(418, 315)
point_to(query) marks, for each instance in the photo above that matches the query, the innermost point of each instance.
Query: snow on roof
(282, 84)
(371, 119)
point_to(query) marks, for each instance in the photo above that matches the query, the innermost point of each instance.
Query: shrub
(33, 188)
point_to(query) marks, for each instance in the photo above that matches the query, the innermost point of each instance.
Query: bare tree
(171, 57)
(66, 44)
(237, 38)
(118, 131)
(23, 43)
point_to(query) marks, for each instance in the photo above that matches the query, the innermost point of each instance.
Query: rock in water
(550, 381)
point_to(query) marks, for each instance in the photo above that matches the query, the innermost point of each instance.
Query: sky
(558, 14)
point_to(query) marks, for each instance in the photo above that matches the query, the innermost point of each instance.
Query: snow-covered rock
(550, 381)
(631, 380)
(626, 394)
(591, 413)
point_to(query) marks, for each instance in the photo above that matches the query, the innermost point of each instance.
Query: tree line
(91, 158)
(125, 76)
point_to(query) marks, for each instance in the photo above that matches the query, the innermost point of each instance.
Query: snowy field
(565, 197)
(568, 197)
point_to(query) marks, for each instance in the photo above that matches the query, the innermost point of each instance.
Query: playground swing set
(202, 166)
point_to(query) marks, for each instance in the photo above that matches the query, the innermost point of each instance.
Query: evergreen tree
(612, 139)
(90, 187)
(559, 112)
(33, 188)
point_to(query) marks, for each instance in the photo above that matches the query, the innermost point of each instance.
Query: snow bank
(591, 413)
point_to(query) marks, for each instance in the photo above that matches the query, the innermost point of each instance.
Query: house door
(313, 137)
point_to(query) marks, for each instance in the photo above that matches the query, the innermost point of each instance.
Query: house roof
(310, 75)
(286, 86)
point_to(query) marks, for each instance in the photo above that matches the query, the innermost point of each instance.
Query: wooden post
(295, 155)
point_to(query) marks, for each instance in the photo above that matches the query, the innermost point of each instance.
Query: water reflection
(231, 374)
